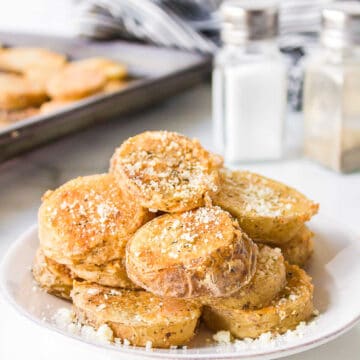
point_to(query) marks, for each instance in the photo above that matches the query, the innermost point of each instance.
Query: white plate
(335, 268)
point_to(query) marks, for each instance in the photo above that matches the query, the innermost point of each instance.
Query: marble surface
(24, 180)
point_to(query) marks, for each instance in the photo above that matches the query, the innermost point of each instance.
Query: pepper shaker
(332, 90)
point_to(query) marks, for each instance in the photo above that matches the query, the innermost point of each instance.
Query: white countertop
(25, 179)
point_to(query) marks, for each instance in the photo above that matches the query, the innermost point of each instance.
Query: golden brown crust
(55, 278)
(40, 75)
(114, 85)
(202, 252)
(8, 117)
(88, 220)
(267, 210)
(293, 305)
(21, 59)
(110, 69)
(137, 316)
(165, 171)
(75, 82)
(269, 279)
(299, 249)
(54, 105)
(17, 93)
(112, 273)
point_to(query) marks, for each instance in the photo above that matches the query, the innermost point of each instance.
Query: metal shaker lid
(341, 24)
(248, 20)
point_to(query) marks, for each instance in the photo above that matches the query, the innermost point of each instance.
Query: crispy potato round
(299, 249)
(112, 273)
(75, 82)
(137, 316)
(21, 59)
(166, 171)
(7, 117)
(54, 105)
(202, 252)
(88, 220)
(293, 305)
(269, 279)
(17, 93)
(40, 76)
(114, 85)
(268, 211)
(110, 69)
(55, 278)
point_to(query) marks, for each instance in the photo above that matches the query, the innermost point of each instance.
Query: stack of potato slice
(169, 234)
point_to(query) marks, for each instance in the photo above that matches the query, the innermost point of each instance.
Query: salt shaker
(332, 90)
(249, 83)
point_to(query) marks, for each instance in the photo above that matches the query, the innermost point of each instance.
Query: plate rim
(142, 352)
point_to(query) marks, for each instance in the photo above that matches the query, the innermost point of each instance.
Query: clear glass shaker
(249, 83)
(332, 90)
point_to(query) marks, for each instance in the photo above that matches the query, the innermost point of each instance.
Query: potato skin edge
(195, 281)
(253, 323)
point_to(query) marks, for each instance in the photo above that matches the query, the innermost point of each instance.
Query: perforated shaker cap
(245, 20)
(341, 24)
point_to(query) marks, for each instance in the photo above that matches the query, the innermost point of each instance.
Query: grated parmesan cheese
(222, 337)
(265, 340)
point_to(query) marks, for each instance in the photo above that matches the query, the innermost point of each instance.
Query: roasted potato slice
(202, 252)
(21, 59)
(55, 105)
(267, 210)
(114, 85)
(110, 69)
(88, 220)
(75, 82)
(17, 93)
(299, 249)
(166, 171)
(112, 273)
(269, 279)
(293, 305)
(137, 316)
(55, 278)
(8, 117)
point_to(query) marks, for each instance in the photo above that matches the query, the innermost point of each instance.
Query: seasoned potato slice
(55, 278)
(55, 105)
(299, 249)
(293, 305)
(269, 279)
(166, 171)
(114, 85)
(21, 59)
(202, 252)
(75, 82)
(88, 220)
(112, 273)
(17, 93)
(110, 69)
(8, 117)
(268, 211)
(137, 316)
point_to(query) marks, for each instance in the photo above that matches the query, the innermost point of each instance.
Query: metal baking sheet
(157, 73)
